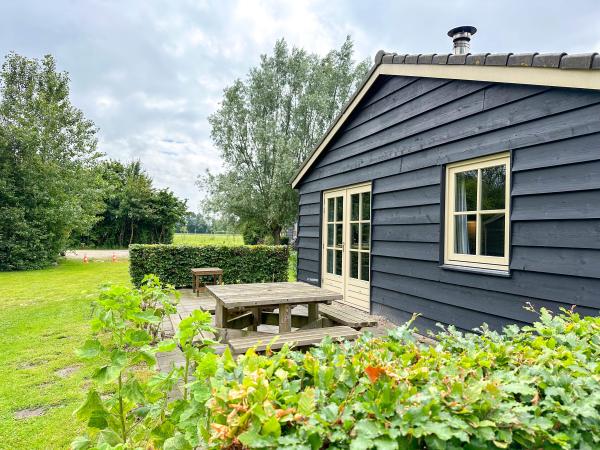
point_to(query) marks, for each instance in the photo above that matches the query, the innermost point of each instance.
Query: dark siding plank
(576, 262)
(314, 197)
(406, 233)
(557, 233)
(395, 99)
(307, 264)
(428, 195)
(423, 324)
(574, 177)
(311, 209)
(568, 151)
(410, 215)
(580, 205)
(309, 232)
(308, 277)
(309, 221)
(551, 287)
(411, 250)
(384, 87)
(306, 242)
(308, 253)
(417, 178)
(489, 302)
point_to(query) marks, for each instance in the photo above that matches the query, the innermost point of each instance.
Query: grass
(207, 239)
(44, 317)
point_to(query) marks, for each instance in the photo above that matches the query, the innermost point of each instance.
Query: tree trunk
(131, 234)
(276, 233)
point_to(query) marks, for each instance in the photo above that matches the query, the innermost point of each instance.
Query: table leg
(285, 318)
(313, 312)
(220, 279)
(255, 318)
(220, 314)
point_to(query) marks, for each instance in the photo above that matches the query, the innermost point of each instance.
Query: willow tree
(267, 124)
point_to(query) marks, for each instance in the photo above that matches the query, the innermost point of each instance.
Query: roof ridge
(578, 61)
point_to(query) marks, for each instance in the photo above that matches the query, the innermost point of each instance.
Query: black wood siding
(400, 139)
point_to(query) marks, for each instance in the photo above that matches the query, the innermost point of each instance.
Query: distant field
(207, 239)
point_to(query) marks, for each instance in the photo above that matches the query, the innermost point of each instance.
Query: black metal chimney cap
(462, 29)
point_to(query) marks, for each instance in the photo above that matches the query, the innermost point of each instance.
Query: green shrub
(535, 387)
(240, 264)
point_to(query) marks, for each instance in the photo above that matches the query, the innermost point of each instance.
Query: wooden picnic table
(197, 273)
(254, 297)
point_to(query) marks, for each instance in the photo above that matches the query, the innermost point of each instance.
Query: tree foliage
(135, 211)
(267, 124)
(48, 188)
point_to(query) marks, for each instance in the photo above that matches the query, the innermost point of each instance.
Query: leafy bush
(538, 387)
(534, 387)
(240, 264)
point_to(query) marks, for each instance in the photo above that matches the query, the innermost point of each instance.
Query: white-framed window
(477, 225)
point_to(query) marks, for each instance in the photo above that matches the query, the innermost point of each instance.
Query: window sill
(477, 270)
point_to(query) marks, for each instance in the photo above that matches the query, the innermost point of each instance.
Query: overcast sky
(149, 73)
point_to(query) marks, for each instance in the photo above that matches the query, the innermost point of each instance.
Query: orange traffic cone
(114, 257)
(85, 259)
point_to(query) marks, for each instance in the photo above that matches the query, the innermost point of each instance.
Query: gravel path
(97, 254)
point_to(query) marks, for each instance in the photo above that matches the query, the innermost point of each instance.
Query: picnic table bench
(298, 338)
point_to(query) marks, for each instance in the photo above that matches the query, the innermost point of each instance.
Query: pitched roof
(543, 69)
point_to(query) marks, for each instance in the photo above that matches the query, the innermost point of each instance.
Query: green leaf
(137, 338)
(147, 316)
(132, 390)
(109, 437)
(306, 402)
(92, 405)
(272, 427)
(81, 443)
(91, 349)
(107, 374)
(166, 346)
(177, 442)
(252, 439)
(118, 358)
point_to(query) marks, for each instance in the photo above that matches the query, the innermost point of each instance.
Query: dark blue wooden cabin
(460, 187)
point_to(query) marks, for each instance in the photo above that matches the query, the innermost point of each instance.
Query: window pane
(329, 261)
(465, 197)
(338, 235)
(354, 203)
(465, 230)
(354, 235)
(338, 262)
(492, 234)
(354, 264)
(330, 210)
(339, 210)
(366, 206)
(330, 235)
(365, 235)
(493, 187)
(364, 266)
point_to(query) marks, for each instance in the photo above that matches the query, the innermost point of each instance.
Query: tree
(48, 186)
(265, 127)
(135, 211)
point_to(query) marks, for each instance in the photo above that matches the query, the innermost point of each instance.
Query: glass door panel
(335, 235)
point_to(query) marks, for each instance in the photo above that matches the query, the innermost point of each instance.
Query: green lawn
(44, 317)
(207, 239)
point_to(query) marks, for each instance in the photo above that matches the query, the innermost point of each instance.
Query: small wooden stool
(198, 285)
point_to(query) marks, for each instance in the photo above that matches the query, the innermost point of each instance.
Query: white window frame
(500, 263)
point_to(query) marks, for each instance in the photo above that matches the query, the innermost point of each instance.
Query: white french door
(346, 246)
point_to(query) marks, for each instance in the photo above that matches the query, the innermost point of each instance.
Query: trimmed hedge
(240, 264)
